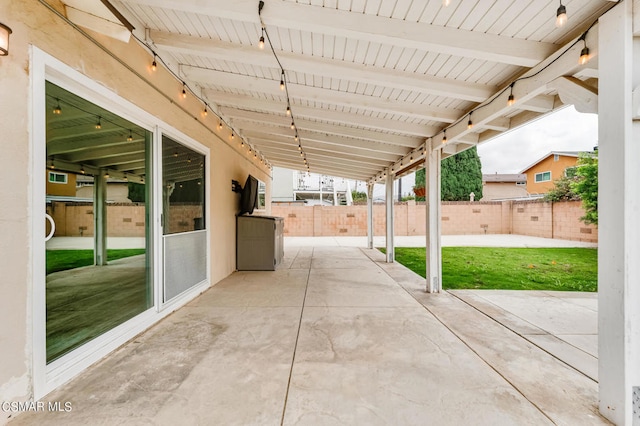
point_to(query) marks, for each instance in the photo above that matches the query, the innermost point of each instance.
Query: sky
(511, 152)
(564, 130)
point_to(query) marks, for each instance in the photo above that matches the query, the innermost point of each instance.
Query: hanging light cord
(286, 86)
(510, 86)
(134, 71)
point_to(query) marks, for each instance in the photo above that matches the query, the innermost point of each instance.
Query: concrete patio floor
(337, 336)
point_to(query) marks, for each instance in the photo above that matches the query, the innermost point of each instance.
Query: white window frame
(66, 178)
(542, 179)
(47, 377)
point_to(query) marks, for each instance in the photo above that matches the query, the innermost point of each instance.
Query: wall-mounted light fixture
(4, 39)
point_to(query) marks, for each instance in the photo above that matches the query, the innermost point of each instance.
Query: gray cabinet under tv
(259, 243)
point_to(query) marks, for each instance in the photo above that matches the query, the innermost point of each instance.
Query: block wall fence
(123, 219)
(534, 218)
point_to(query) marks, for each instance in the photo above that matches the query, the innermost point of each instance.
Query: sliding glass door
(98, 256)
(183, 218)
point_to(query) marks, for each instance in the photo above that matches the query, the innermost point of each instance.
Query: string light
(233, 136)
(82, 169)
(470, 123)
(98, 124)
(130, 137)
(511, 100)
(561, 15)
(584, 53)
(444, 136)
(446, 3)
(265, 37)
(57, 110)
(261, 42)
(185, 86)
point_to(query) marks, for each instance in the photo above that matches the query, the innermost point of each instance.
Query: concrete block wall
(123, 219)
(534, 218)
(567, 224)
(459, 218)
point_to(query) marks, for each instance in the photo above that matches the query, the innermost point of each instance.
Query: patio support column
(370, 215)
(100, 218)
(434, 249)
(619, 213)
(389, 217)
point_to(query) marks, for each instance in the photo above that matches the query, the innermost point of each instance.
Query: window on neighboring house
(543, 177)
(521, 183)
(55, 177)
(556, 157)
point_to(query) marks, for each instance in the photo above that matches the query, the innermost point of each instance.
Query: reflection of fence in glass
(183, 174)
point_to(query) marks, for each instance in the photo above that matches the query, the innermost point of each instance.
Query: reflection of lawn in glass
(61, 260)
(83, 303)
(568, 269)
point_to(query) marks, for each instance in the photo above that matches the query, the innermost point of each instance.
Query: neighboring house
(542, 173)
(504, 186)
(310, 188)
(60, 183)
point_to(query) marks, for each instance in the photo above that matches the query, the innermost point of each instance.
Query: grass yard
(569, 269)
(61, 260)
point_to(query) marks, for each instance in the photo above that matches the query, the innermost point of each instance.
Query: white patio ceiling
(370, 81)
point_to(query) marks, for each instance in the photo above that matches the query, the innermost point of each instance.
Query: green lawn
(573, 269)
(61, 260)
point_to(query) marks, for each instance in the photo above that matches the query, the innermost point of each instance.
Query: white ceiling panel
(401, 68)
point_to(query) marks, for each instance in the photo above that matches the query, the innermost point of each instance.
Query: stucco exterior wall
(155, 92)
(501, 190)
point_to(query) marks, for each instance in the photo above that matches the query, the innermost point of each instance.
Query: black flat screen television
(249, 196)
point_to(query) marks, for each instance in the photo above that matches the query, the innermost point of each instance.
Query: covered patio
(338, 336)
(362, 89)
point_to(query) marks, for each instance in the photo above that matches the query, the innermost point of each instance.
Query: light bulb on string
(584, 53)
(444, 136)
(205, 112)
(154, 65)
(446, 3)
(282, 80)
(233, 135)
(470, 123)
(219, 125)
(296, 138)
(130, 137)
(98, 124)
(261, 42)
(561, 15)
(288, 110)
(57, 110)
(184, 90)
(293, 126)
(511, 100)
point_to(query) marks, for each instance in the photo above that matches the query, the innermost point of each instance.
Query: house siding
(556, 168)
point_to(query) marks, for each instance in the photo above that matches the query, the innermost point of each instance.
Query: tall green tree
(586, 186)
(461, 175)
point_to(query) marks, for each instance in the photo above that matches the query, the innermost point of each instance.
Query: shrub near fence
(534, 218)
